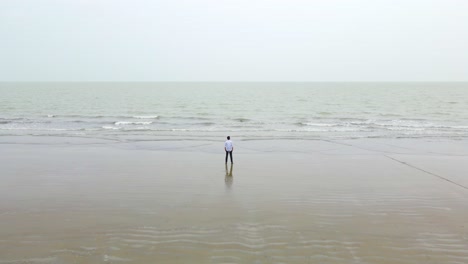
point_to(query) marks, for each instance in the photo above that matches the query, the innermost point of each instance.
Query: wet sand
(65, 200)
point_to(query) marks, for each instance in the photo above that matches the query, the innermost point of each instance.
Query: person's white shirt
(228, 145)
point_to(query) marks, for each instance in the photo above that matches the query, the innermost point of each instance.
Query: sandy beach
(348, 121)
(70, 200)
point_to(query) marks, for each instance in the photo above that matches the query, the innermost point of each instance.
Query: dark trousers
(230, 154)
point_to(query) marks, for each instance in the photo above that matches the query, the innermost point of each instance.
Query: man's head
(229, 138)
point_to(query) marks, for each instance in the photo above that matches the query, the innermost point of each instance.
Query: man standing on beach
(228, 148)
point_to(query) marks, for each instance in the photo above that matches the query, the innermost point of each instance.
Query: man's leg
(227, 156)
(230, 154)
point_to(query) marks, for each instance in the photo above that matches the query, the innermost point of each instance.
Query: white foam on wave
(110, 127)
(318, 124)
(119, 123)
(146, 117)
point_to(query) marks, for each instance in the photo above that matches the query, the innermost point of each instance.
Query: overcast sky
(233, 40)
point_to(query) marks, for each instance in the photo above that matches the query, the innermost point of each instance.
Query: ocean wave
(110, 127)
(297, 126)
(409, 124)
(316, 124)
(146, 117)
(73, 116)
(118, 123)
(187, 118)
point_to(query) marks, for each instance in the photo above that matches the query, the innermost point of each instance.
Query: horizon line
(108, 81)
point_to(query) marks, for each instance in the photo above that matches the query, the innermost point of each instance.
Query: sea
(248, 111)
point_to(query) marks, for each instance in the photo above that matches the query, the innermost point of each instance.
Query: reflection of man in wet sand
(230, 170)
(229, 148)
(228, 179)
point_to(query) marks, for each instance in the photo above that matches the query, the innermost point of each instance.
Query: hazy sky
(234, 40)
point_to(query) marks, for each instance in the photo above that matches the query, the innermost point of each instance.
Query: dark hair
(228, 137)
